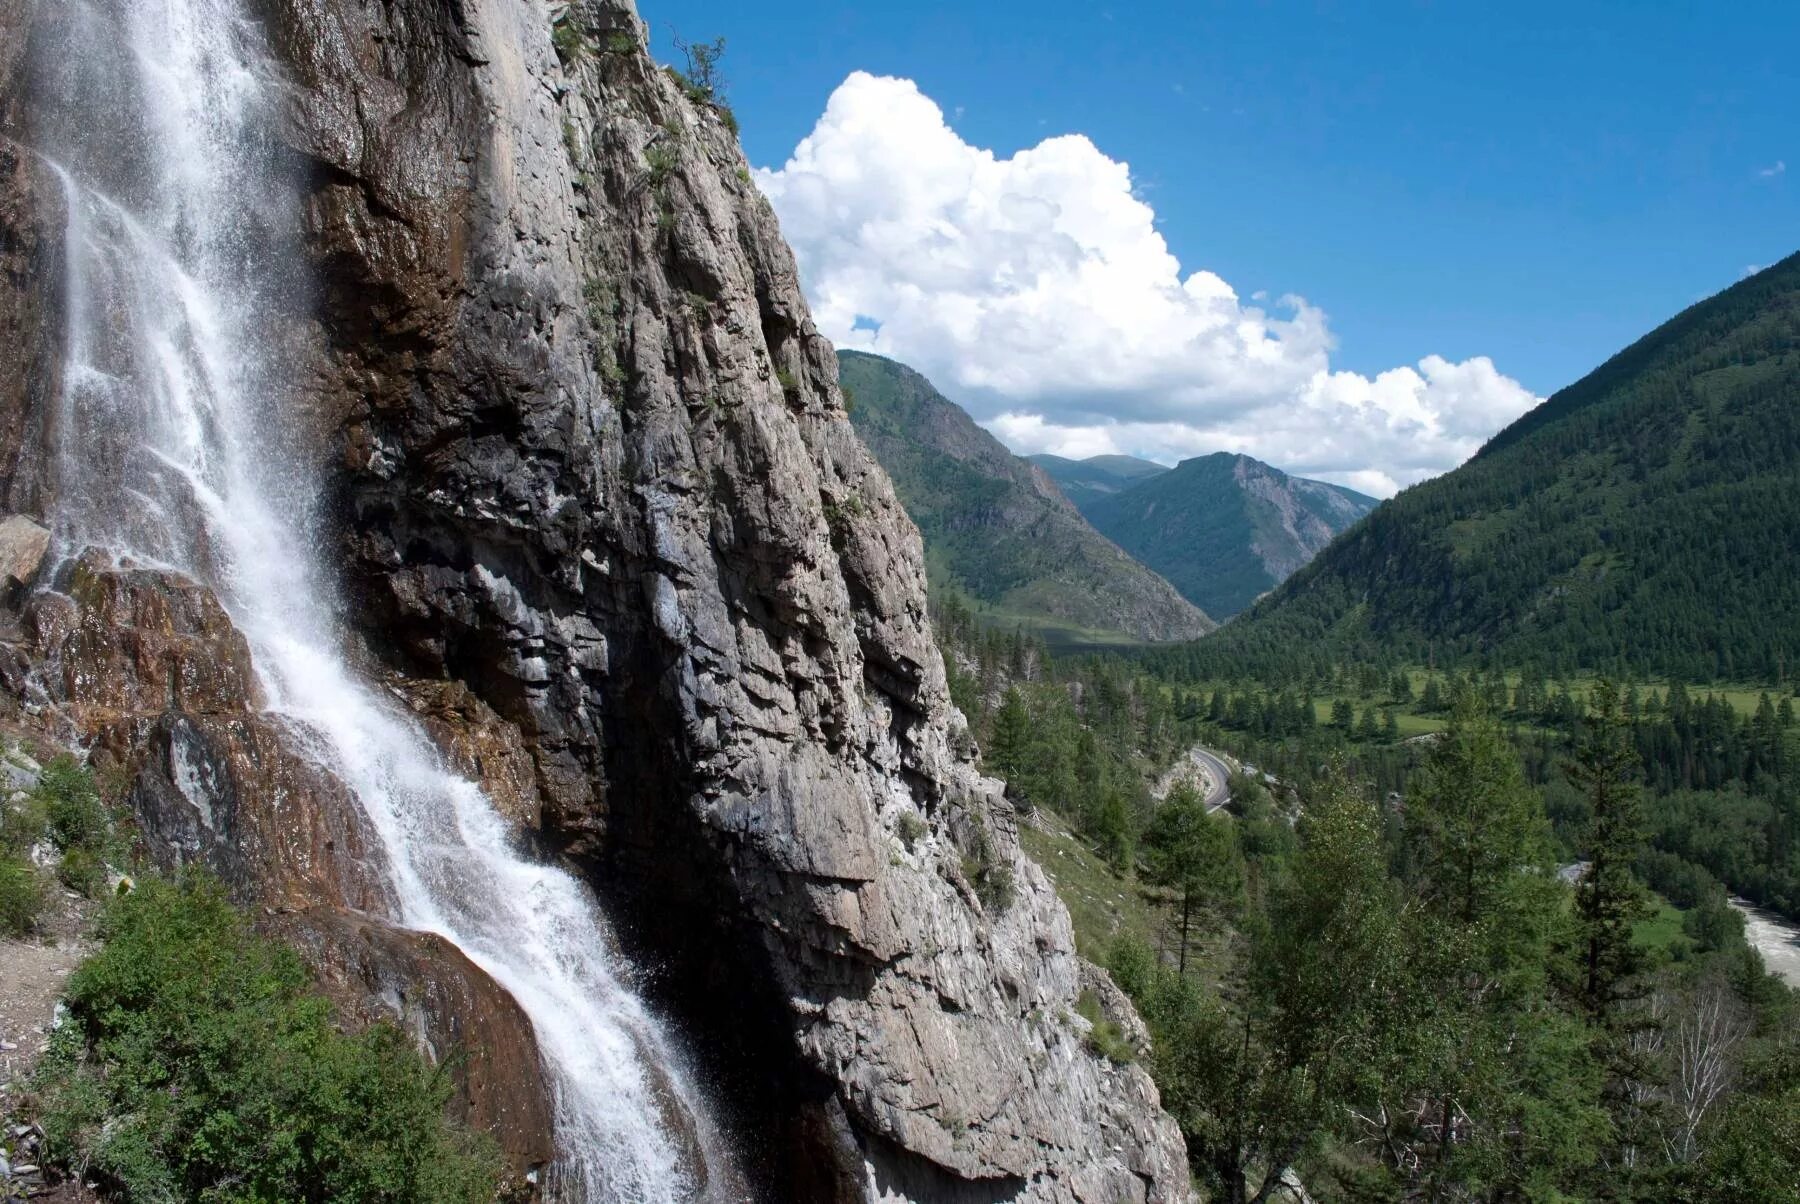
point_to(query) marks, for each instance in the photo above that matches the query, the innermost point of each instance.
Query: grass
(1102, 905)
(1661, 931)
(1104, 1037)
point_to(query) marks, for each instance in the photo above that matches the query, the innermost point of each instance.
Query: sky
(1352, 239)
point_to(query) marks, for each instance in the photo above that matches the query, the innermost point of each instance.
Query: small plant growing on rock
(703, 82)
(911, 829)
(838, 515)
(620, 42)
(661, 158)
(1103, 1037)
(988, 873)
(80, 825)
(571, 44)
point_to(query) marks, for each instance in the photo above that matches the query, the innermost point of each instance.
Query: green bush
(571, 44)
(72, 806)
(21, 895)
(82, 871)
(1104, 1037)
(198, 1066)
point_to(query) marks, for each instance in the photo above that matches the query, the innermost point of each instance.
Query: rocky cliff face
(609, 532)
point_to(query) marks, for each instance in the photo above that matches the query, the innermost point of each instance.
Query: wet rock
(31, 303)
(455, 1013)
(23, 544)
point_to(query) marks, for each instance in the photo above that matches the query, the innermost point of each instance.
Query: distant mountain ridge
(1643, 519)
(1087, 481)
(996, 527)
(1223, 529)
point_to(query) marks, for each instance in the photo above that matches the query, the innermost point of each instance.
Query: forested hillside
(1225, 529)
(995, 527)
(1554, 998)
(1641, 520)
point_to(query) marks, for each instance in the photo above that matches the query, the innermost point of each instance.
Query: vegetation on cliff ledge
(196, 1064)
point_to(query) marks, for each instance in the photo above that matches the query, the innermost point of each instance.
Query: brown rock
(453, 1011)
(23, 544)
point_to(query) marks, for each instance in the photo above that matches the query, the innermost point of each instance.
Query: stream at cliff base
(176, 451)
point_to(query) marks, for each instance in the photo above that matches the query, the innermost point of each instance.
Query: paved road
(1205, 766)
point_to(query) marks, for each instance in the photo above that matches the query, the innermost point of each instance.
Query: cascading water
(159, 120)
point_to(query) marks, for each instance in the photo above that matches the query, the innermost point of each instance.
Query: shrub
(912, 829)
(72, 806)
(197, 1065)
(571, 45)
(991, 877)
(21, 895)
(82, 871)
(1104, 1037)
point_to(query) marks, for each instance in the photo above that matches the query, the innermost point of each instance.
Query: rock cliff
(607, 529)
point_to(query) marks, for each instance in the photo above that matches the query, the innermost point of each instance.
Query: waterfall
(177, 451)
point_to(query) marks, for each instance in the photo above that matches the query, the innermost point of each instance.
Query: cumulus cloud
(1036, 290)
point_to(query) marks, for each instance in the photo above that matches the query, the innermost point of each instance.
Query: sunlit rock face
(606, 532)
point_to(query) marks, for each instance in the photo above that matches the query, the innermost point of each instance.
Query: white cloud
(1775, 169)
(1036, 290)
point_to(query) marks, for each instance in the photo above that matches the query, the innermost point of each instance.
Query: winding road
(1206, 769)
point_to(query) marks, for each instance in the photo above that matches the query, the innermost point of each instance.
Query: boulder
(23, 545)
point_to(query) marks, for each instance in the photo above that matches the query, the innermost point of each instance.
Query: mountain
(1223, 529)
(1642, 518)
(1086, 481)
(995, 525)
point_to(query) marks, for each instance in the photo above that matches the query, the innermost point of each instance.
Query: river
(1776, 938)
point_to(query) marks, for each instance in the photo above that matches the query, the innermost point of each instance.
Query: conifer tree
(1196, 855)
(1609, 900)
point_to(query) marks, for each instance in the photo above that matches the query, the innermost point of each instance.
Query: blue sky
(1533, 183)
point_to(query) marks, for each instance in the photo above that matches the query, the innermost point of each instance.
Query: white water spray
(180, 262)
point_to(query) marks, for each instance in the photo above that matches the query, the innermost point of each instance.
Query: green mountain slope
(995, 526)
(1224, 529)
(1646, 518)
(1085, 482)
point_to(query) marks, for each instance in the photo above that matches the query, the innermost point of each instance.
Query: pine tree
(1483, 1044)
(1012, 735)
(1609, 900)
(1196, 855)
